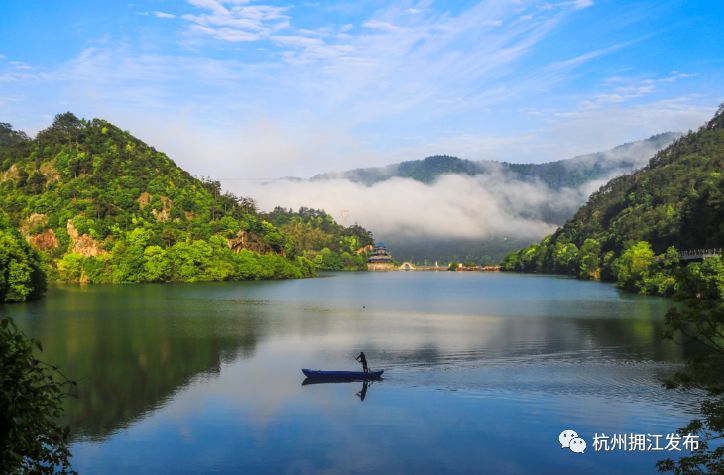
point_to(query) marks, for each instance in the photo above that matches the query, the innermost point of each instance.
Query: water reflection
(186, 368)
(361, 394)
(130, 349)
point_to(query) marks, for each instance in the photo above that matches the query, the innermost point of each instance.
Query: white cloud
(628, 89)
(334, 97)
(454, 206)
(382, 25)
(579, 4)
(236, 21)
(20, 66)
(159, 14)
(494, 204)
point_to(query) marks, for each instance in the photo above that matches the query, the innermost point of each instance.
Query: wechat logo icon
(569, 440)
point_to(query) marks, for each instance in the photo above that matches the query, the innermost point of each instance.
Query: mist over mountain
(571, 172)
(446, 208)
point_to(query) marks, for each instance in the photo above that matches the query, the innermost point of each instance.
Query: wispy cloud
(236, 21)
(580, 4)
(626, 89)
(257, 89)
(159, 14)
(13, 71)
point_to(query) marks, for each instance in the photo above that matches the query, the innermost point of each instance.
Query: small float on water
(343, 375)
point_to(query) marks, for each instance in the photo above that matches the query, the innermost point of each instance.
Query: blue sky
(256, 89)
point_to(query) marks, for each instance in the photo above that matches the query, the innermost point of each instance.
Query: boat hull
(342, 375)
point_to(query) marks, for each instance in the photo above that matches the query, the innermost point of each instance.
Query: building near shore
(380, 259)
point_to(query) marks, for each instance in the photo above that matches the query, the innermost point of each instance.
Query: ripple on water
(596, 373)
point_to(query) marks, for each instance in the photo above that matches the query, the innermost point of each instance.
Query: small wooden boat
(342, 375)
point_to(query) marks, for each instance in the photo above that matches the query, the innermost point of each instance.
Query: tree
(66, 129)
(157, 265)
(36, 182)
(662, 279)
(13, 145)
(328, 260)
(21, 274)
(700, 323)
(70, 267)
(565, 258)
(633, 265)
(590, 257)
(31, 395)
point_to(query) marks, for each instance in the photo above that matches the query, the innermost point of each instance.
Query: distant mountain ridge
(567, 184)
(570, 172)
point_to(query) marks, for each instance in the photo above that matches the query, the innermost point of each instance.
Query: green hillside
(101, 206)
(329, 245)
(673, 203)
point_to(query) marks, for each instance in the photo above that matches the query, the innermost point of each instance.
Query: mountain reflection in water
(177, 369)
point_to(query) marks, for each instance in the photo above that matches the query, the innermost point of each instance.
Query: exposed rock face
(165, 212)
(51, 174)
(239, 242)
(44, 241)
(34, 229)
(83, 244)
(72, 231)
(34, 223)
(143, 199)
(250, 241)
(11, 174)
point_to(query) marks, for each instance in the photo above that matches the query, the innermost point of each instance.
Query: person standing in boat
(363, 359)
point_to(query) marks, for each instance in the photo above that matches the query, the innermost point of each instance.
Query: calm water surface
(483, 371)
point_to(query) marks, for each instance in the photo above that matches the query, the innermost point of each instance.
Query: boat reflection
(361, 394)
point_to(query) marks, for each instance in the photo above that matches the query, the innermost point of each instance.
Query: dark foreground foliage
(31, 394)
(700, 323)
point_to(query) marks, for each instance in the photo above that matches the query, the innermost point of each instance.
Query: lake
(482, 373)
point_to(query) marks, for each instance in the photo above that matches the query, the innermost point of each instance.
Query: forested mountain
(675, 202)
(102, 206)
(329, 245)
(572, 172)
